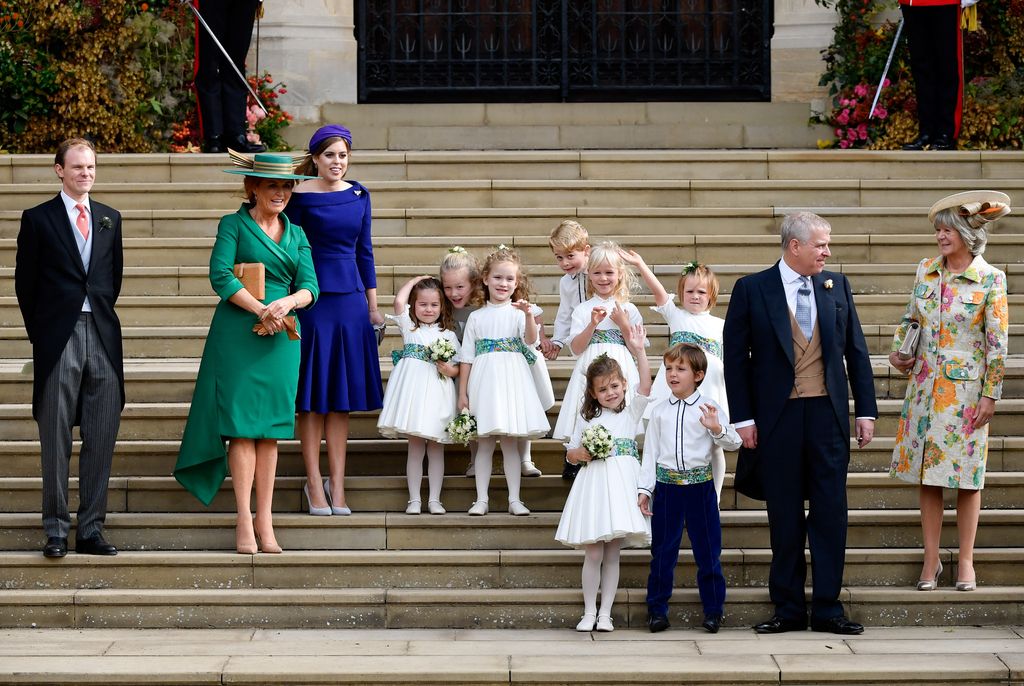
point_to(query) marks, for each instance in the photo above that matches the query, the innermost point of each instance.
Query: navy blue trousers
(696, 507)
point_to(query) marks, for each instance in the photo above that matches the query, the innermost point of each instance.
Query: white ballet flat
(316, 511)
(435, 507)
(530, 469)
(604, 623)
(479, 508)
(517, 508)
(587, 622)
(413, 507)
(471, 469)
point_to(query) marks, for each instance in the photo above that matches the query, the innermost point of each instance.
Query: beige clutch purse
(908, 350)
(253, 276)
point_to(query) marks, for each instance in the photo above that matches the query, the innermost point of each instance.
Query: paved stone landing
(898, 655)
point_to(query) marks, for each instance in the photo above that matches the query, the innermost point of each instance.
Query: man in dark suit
(787, 333)
(67, 279)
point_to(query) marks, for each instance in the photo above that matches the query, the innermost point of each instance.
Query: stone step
(894, 655)
(876, 279)
(471, 569)
(172, 380)
(672, 249)
(197, 310)
(165, 421)
(381, 457)
(162, 494)
(461, 608)
(163, 531)
(632, 164)
(225, 195)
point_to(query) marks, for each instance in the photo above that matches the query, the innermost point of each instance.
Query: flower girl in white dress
(420, 397)
(601, 513)
(599, 326)
(496, 383)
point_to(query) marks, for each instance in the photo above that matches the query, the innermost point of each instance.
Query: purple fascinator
(329, 131)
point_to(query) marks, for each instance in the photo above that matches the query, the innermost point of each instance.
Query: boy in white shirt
(676, 475)
(570, 243)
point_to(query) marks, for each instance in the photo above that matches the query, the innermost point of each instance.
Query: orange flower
(944, 394)
(144, 7)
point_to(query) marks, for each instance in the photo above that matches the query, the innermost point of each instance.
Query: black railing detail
(549, 50)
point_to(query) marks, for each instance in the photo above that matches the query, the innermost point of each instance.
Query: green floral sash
(687, 477)
(505, 345)
(411, 350)
(613, 336)
(625, 446)
(708, 345)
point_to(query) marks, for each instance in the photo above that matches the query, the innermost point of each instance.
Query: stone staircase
(381, 568)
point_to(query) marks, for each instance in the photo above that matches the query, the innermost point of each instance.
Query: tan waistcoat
(807, 363)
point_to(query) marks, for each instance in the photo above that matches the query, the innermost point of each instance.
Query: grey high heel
(931, 584)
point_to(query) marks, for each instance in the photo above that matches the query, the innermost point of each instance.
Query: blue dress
(339, 370)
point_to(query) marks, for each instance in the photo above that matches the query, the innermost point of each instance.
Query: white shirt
(572, 290)
(84, 244)
(791, 282)
(677, 440)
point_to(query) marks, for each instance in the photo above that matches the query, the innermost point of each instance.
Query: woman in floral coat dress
(956, 377)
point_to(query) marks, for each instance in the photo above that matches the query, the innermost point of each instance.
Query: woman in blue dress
(340, 371)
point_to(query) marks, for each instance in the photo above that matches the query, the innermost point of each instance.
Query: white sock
(610, 575)
(592, 576)
(435, 469)
(513, 467)
(482, 463)
(414, 466)
(525, 454)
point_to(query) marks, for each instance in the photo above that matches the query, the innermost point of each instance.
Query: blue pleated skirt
(339, 370)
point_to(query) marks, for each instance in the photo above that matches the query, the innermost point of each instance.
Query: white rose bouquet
(597, 441)
(462, 428)
(441, 350)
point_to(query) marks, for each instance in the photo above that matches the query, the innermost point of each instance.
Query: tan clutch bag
(253, 276)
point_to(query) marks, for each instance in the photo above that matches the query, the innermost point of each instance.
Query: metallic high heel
(931, 584)
(316, 511)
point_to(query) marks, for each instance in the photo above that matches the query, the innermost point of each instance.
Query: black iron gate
(563, 50)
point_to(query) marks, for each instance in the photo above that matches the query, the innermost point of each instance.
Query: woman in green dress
(245, 391)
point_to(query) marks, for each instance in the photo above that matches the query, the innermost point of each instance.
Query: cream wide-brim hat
(990, 205)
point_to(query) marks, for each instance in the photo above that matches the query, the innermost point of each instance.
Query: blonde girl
(495, 382)
(463, 287)
(420, 397)
(601, 513)
(692, 322)
(600, 325)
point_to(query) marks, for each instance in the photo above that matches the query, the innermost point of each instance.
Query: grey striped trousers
(83, 377)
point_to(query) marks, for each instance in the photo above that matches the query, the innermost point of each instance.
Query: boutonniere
(105, 223)
(828, 285)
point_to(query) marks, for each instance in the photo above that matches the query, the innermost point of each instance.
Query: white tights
(601, 570)
(414, 467)
(484, 462)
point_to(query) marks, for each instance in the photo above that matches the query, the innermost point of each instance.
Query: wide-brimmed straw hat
(266, 165)
(977, 207)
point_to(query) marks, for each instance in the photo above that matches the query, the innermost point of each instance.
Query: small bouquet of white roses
(597, 441)
(462, 428)
(441, 350)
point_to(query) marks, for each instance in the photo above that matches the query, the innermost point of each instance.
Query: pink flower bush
(851, 117)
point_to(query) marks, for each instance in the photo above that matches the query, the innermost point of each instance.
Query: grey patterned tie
(803, 307)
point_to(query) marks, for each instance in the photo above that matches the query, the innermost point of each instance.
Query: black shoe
(240, 143)
(213, 146)
(920, 143)
(943, 143)
(712, 623)
(56, 546)
(780, 625)
(837, 625)
(569, 471)
(657, 623)
(94, 546)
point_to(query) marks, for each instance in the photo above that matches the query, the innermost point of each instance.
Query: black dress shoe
(657, 623)
(712, 623)
(942, 143)
(569, 471)
(94, 546)
(920, 143)
(837, 625)
(213, 146)
(780, 625)
(240, 143)
(55, 547)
